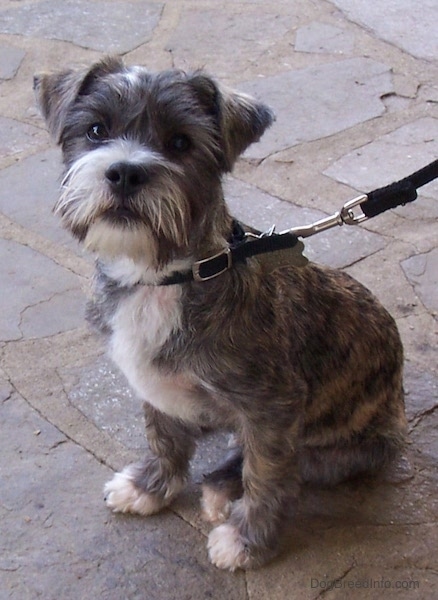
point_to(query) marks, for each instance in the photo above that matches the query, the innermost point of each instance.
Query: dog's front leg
(250, 536)
(148, 486)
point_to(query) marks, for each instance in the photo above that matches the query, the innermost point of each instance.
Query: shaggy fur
(302, 363)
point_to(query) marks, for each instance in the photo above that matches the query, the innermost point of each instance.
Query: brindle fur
(303, 364)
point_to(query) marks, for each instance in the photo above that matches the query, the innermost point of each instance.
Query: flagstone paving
(353, 85)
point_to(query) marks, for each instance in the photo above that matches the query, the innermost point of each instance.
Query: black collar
(241, 246)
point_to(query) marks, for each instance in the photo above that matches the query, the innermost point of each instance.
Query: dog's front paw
(226, 549)
(121, 495)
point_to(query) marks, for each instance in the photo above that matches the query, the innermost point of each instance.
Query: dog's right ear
(56, 92)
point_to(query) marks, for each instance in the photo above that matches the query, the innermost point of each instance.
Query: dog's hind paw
(121, 495)
(216, 505)
(226, 549)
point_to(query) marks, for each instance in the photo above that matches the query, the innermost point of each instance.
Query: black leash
(399, 193)
(243, 244)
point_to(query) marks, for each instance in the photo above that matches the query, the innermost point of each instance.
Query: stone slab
(248, 37)
(10, 61)
(399, 22)
(406, 149)
(28, 192)
(110, 27)
(337, 248)
(422, 271)
(63, 311)
(323, 38)
(6, 389)
(377, 270)
(102, 394)
(422, 412)
(425, 437)
(33, 365)
(59, 541)
(419, 333)
(345, 563)
(429, 92)
(421, 390)
(16, 137)
(319, 101)
(38, 297)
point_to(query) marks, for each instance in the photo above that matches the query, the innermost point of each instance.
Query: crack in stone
(10, 569)
(360, 259)
(8, 397)
(57, 444)
(44, 417)
(433, 570)
(418, 417)
(14, 232)
(101, 460)
(8, 380)
(421, 312)
(153, 34)
(39, 303)
(67, 396)
(333, 582)
(246, 584)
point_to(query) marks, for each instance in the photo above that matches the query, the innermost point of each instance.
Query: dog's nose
(126, 178)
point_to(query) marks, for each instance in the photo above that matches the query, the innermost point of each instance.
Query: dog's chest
(141, 324)
(144, 320)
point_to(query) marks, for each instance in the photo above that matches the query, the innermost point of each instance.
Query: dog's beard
(156, 215)
(110, 240)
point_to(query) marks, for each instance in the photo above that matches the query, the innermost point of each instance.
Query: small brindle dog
(302, 363)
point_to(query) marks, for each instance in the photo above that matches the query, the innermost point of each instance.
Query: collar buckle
(213, 266)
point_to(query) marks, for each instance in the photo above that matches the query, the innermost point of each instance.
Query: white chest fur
(141, 325)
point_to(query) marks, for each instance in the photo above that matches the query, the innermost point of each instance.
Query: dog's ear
(242, 119)
(56, 92)
(243, 122)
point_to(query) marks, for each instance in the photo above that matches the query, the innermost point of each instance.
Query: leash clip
(258, 236)
(345, 216)
(347, 213)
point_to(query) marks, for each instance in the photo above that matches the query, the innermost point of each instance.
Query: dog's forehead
(136, 92)
(138, 84)
(136, 75)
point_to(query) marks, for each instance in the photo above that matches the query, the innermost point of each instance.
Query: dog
(302, 363)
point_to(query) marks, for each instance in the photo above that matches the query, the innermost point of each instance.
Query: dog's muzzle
(126, 179)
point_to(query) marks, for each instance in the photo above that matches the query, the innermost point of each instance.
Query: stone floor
(354, 87)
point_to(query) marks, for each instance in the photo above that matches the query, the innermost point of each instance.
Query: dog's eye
(97, 133)
(179, 143)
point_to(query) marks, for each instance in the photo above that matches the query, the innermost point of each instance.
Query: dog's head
(144, 155)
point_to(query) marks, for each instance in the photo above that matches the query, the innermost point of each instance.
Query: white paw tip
(226, 549)
(121, 495)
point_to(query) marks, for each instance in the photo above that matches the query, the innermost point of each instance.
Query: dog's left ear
(241, 118)
(243, 121)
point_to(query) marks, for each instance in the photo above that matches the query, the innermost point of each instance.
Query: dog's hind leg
(333, 464)
(148, 486)
(221, 487)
